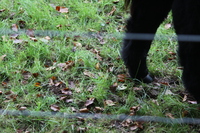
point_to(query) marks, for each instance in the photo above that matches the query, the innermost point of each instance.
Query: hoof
(147, 79)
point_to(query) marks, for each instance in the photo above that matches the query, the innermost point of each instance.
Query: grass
(63, 72)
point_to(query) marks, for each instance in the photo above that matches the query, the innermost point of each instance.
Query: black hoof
(147, 79)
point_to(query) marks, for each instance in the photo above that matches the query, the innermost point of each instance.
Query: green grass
(38, 74)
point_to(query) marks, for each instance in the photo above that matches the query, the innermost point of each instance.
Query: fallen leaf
(109, 103)
(66, 91)
(30, 33)
(14, 27)
(121, 87)
(164, 83)
(192, 102)
(22, 108)
(17, 41)
(89, 102)
(134, 109)
(58, 83)
(84, 110)
(39, 95)
(127, 123)
(97, 66)
(55, 107)
(89, 74)
(116, 1)
(185, 113)
(98, 109)
(37, 84)
(169, 115)
(137, 89)
(33, 39)
(65, 66)
(112, 11)
(26, 75)
(35, 75)
(184, 98)
(14, 36)
(22, 24)
(59, 26)
(113, 87)
(2, 10)
(69, 100)
(2, 57)
(62, 9)
(121, 77)
(172, 53)
(156, 102)
(168, 92)
(77, 44)
(50, 68)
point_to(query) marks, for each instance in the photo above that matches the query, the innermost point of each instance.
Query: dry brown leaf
(121, 77)
(73, 109)
(89, 102)
(22, 24)
(39, 95)
(62, 9)
(113, 87)
(26, 75)
(59, 26)
(172, 53)
(134, 109)
(14, 27)
(192, 102)
(127, 123)
(116, 1)
(35, 75)
(155, 101)
(65, 66)
(84, 110)
(69, 101)
(89, 74)
(2, 57)
(30, 33)
(58, 83)
(33, 39)
(51, 83)
(66, 91)
(109, 103)
(168, 92)
(98, 109)
(97, 66)
(2, 10)
(37, 84)
(137, 88)
(184, 98)
(50, 68)
(14, 36)
(164, 83)
(55, 107)
(17, 41)
(121, 87)
(22, 108)
(112, 11)
(169, 115)
(77, 44)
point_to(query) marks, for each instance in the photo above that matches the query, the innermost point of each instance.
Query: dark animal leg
(146, 16)
(186, 14)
